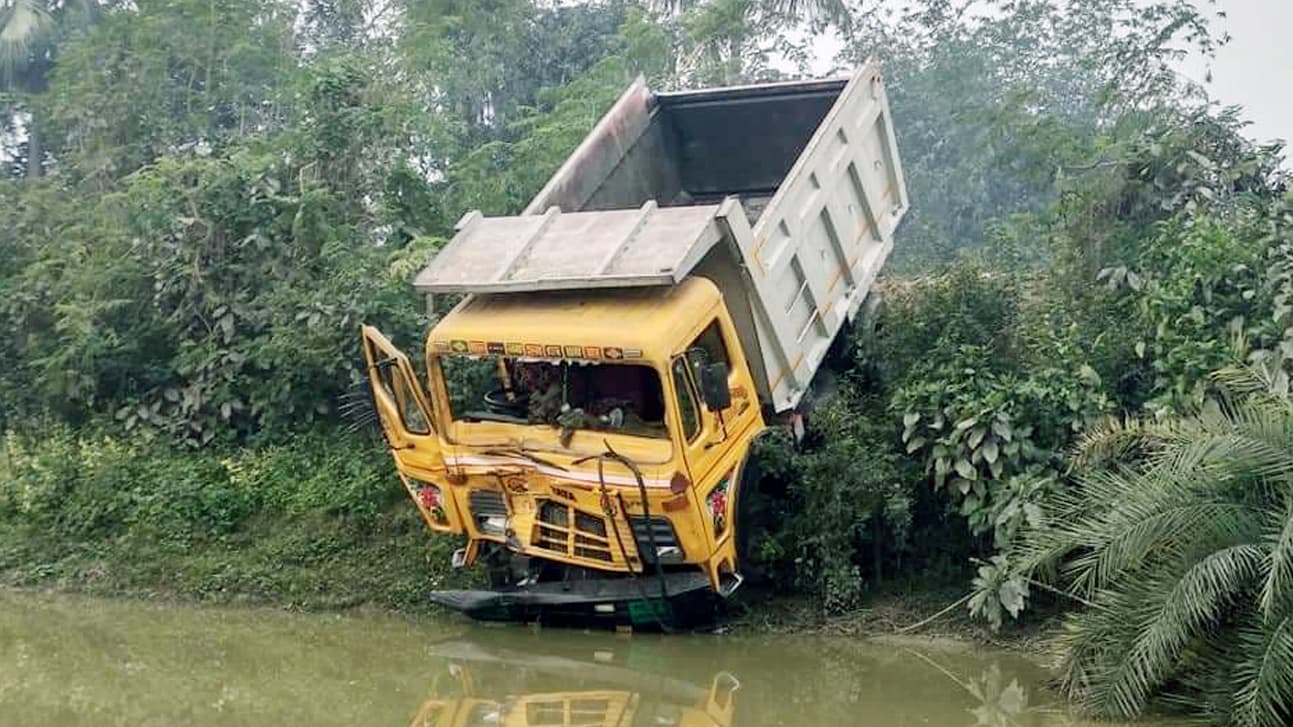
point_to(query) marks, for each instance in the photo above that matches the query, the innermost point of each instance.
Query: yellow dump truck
(589, 405)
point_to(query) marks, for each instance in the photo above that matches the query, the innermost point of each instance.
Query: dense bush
(316, 522)
(840, 504)
(98, 486)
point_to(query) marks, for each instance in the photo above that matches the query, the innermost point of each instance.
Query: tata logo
(514, 483)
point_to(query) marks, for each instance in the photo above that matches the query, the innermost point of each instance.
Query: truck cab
(589, 405)
(506, 439)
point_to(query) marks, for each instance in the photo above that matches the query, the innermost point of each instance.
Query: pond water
(71, 661)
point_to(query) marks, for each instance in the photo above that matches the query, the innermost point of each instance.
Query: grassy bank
(315, 523)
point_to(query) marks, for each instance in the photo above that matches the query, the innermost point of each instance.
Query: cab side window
(400, 390)
(708, 348)
(687, 408)
(415, 420)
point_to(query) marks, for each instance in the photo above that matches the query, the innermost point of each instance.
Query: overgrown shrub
(86, 486)
(844, 503)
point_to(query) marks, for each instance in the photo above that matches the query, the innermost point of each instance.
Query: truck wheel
(755, 519)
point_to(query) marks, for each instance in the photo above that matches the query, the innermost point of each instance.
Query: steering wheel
(496, 401)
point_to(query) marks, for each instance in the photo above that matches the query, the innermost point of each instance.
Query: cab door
(714, 440)
(404, 410)
(711, 435)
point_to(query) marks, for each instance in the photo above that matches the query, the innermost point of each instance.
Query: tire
(754, 519)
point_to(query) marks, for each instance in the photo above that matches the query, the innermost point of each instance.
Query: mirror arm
(722, 422)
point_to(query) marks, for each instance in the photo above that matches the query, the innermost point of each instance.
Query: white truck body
(786, 195)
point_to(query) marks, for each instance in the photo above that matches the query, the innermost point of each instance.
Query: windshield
(624, 398)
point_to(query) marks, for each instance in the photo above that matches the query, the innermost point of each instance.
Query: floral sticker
(717, 501)
(429, 499)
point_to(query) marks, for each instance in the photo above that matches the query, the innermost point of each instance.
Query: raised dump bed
(786, 195)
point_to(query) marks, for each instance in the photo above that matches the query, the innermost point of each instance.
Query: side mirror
(713, 386)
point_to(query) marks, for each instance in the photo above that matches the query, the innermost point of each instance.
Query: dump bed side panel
(815, 251)
(583, 173)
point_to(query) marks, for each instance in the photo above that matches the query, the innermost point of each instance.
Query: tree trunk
(877, 548)
(35, 149)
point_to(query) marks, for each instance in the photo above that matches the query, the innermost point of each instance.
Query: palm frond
(1180, 535)
(1169, 617)
(1253, 438)
(1136, 515)
(1265, 689)
(1117, 441)
(830, 9)
(1279, 566)
(1244, 383)
(1115, 519)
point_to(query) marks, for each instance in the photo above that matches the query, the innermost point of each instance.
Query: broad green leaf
(997, 467)
(990, 451)
(1002, 430)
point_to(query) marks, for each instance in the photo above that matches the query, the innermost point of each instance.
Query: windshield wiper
(517, 452)
(486, 416)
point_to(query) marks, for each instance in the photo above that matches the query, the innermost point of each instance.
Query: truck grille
(588, 710)
(489, 511)
(563, 529)
(666, 540)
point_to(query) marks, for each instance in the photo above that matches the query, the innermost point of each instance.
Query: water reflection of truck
(590, 404)
(550, 690)
(506, 676)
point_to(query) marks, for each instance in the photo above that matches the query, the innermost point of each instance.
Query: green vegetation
(204, 200)
(311, 523)
(1179, 534)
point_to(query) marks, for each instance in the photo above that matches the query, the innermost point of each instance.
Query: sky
(1255, 70)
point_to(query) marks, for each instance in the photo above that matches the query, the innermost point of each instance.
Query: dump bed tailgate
(813, 254)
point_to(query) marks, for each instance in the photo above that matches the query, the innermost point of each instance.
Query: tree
(832, 9)
(1179, 540)
(30, 34)
(175, 77)
(991, 99)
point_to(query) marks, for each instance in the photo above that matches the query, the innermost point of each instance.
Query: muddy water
(71, 661)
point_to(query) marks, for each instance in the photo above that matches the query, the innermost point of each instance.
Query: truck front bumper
(674, 600)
